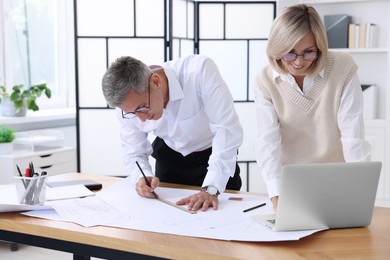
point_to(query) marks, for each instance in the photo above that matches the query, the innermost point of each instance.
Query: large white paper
(67, 192)
(90, 211)
(120, 206)
(9, 200)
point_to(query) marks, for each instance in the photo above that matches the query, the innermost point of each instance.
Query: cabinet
(53, 161)
(374, 67)
(59, 159)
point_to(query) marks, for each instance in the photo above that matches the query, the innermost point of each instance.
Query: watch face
(212, 190)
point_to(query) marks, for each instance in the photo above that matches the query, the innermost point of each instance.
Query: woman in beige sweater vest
(309, 101)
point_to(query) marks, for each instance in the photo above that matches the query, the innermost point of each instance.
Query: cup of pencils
(31, 187)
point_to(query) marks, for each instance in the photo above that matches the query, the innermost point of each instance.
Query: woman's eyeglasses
(140, 109)
(307, 55)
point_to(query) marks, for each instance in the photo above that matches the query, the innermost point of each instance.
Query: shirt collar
(175, 89)
(287, 77)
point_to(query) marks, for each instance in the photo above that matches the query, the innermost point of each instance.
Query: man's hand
(199, 200)
(144, 190)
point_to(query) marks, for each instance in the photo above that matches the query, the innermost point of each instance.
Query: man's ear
(156, 81)
(158, 78)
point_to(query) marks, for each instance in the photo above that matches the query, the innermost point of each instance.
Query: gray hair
(124, 75)
(292, 24)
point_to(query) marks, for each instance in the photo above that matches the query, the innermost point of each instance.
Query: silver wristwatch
(212, 190)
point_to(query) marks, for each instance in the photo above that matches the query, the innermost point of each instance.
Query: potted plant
(20, 99)
(7, 136)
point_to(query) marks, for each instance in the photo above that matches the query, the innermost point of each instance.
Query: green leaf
(3, 91)
(17, 88)
(16, 97)
(48, 93)
(31, 104)
(30, 95)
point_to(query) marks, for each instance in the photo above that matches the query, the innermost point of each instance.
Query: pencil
(21, 175)
(159, 198)
(255, 207)
(146, 179)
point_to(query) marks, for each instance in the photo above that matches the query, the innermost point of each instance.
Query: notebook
(325, 195)
(90, 184)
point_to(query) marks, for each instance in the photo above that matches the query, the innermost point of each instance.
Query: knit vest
(308, 124)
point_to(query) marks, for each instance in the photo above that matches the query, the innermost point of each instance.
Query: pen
(146, 179)
(19, 171)
(28, 193)
(32, 170)
(39, 186)
(21, 175)
(28, 173)
(255, 207)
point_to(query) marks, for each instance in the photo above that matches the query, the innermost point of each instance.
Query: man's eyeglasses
(140, 109)
(307, 55)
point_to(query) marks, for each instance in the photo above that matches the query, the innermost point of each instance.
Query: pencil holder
(31, 190)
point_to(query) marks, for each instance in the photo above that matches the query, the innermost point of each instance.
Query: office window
(38, 47)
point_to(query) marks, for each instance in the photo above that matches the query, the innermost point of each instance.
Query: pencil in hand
(146, 179)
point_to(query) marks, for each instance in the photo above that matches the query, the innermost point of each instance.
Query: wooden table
(372, 242)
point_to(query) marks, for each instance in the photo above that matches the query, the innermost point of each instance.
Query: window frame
(65, 61)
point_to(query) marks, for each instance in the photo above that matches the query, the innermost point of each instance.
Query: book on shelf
(336, 27)
(357, 36)
(370, 105)
(351, 35)
(363, 35)
(371, 36)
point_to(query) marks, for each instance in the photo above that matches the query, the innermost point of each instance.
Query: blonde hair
(290, 26)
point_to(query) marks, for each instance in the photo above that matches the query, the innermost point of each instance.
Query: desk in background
(371, 242)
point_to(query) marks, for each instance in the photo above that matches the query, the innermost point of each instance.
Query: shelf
(40, 116)
(375, 123)
(329, 1)
(361, 50)
(46, 118)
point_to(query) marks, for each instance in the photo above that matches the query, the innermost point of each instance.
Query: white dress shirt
(350, 122)
(200, 114)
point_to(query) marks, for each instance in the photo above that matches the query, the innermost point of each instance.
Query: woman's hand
(274, 201)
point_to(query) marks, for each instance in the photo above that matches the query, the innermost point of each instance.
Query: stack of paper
(9, 199)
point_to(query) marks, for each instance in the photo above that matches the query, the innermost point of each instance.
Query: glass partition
(233, 33)
(105, 18)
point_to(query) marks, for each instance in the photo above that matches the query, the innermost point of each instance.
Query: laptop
(325, 195)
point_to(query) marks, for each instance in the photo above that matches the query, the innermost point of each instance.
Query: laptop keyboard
(272, 221)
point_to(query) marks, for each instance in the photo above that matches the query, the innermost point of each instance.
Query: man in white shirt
(188, 106)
